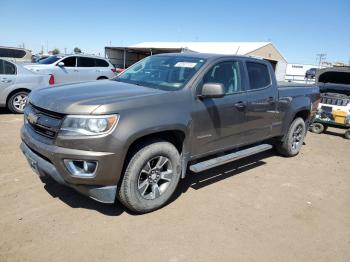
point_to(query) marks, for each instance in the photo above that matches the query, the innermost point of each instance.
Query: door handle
(75, 70)
(240, 105)
(4, 80)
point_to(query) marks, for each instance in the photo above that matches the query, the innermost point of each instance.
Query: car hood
(85, 97)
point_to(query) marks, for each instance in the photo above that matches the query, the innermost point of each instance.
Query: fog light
(81, 168)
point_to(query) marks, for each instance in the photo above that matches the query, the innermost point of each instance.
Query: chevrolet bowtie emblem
(32, 118)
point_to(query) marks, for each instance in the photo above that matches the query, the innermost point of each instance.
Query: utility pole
(65, 50)
(321, 58)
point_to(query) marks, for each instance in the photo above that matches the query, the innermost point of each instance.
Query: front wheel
(151, 177)
(294, 138)
(17, 102)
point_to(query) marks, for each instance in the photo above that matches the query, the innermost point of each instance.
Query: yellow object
(339, 116)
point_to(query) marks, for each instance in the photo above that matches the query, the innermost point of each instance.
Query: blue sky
(299, 29)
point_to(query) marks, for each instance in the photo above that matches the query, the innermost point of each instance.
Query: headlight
(77, 125)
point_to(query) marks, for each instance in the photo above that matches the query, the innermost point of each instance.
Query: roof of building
(239, 48)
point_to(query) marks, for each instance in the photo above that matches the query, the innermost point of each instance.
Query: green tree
(77, 50)
(55, 51)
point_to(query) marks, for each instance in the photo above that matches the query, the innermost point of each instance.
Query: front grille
(334, 101)
(43, 122)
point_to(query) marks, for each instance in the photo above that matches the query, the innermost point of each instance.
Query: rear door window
(101, 63)
(259, 75)
(86, 62)
(69, 61)
(7, 68)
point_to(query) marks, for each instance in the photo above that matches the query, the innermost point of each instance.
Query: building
(123, 57)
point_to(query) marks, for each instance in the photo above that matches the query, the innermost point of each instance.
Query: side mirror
(60, 64)
(212, 90)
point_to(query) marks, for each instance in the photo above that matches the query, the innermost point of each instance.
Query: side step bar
(218, 161)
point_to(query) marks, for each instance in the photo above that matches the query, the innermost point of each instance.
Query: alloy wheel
(155, 177)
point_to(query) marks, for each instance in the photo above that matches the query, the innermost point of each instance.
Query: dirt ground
(264, 208)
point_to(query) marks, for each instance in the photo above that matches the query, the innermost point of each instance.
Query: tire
(294, 139)
(318, 128)
(144, 187)
(17, 101)
(347, 134)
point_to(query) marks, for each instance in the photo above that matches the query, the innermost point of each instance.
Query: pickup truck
(134, 137)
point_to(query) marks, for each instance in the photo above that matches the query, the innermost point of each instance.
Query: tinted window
(4, 52)
(101, 63)
(86, 62)
(226, 73)
(259, 75)
(69, 61)
(49, 60)
(7, 68)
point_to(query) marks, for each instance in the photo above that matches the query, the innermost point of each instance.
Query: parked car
(15, 84)
(311, 73)
(36, 58)
(74, 68)
(15, 54)
(134, 138)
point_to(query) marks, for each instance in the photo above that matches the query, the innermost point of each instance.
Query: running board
(218, 161)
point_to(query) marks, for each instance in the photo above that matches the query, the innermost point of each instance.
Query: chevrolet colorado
(132, 138)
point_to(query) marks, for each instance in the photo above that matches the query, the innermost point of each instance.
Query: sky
(299, 29)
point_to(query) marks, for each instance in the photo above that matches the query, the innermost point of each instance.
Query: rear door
(218, 123)
(7, 76)
(260, 102)
(87, 69)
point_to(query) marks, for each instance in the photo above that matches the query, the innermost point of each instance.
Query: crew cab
(74, 68)
(167, 116)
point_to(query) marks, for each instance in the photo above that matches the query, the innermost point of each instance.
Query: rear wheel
(347, 134)
(17, 102)
(294, 138)
(318, 128)
(151, 177)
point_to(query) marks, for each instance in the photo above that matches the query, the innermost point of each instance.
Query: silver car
(16, 83)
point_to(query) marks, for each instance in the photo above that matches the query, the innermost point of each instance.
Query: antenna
(237, 49)
(321, 58)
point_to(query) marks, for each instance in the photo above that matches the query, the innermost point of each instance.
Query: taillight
(52, 79)
(114, 70)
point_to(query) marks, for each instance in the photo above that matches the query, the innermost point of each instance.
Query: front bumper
(104, 194)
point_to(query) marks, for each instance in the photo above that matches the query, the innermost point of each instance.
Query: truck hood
(85, 97)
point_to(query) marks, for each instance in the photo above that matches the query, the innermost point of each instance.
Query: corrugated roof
(239, 48)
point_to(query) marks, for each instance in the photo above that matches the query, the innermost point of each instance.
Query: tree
(77, 50)
(55, 51)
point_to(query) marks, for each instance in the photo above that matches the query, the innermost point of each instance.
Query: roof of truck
(204, 55)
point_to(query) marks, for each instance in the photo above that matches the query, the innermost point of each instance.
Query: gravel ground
(264, 208)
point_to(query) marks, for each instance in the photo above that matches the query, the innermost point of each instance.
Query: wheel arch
(173, 136)
(102, 78)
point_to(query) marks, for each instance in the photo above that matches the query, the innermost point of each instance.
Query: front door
(218, 122)
(67, 73)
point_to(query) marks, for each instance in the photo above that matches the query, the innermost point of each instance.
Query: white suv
(74, 68)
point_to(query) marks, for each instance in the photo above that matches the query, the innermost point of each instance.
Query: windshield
(49, 60)
(163, 72)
